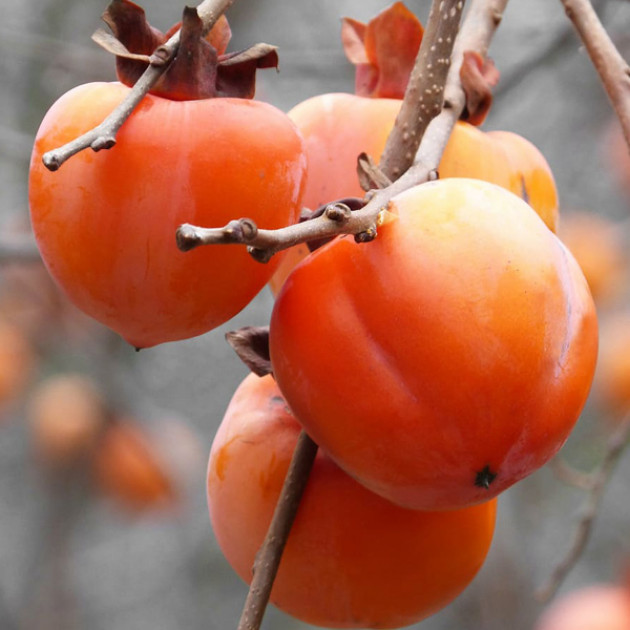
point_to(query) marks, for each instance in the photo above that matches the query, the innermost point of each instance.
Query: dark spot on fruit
(524, 193)
(485, 477)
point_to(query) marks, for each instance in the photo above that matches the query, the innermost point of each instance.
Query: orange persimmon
(338, 127)
(452, 355)
(599, 247)
(128, 469)
(612, 376)
(66, 414)
(596, 607)
(352, 558)
(200, 152)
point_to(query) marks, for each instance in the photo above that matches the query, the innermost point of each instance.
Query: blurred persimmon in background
(598, 245)
(596, 607)
(129, 470)
(612, 375)
(66, 413)
(17, 362)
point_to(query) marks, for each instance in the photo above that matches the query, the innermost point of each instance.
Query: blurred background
(98, 551)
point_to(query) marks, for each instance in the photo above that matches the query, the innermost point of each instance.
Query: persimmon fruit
(17, 362)
(612, 376)
(105, 223)
(596, 607)
(598, 245)
(128, 469)
(338, 127)
(66, 413)
(352, 559)
(448, 358)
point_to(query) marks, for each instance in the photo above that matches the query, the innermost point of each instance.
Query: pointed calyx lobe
(251, 344)
(383, 50)
(201, 68)
(478, 76)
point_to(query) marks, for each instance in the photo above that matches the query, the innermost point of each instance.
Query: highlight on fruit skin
(352, 559)
(463, 362)
(596, 607)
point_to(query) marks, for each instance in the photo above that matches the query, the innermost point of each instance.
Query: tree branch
(481, 21)
(610, 65)
(104, 135)
(425, 91)
(571, 476)
(615, 449)
(270, 554)
(556, 46)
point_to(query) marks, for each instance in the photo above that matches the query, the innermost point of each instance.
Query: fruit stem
(270, 554)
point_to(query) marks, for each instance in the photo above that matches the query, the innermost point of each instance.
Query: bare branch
(478, 28)
(610, 65)
(555, 48)
(569, 475)
(616, 446)
(104, 135)
(425, 91)
(268, 558)
(482, 20)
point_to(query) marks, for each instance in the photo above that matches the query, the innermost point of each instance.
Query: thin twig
(616, 446)
(571, 476)
(556, 46)
(610, 65)
(270, 554)
(480, 23)
(104, 135)
(425, 91)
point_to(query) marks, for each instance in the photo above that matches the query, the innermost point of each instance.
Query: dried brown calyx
(384, 51)
(478, 76)
(201, 69)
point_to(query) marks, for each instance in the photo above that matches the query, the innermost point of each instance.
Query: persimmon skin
(454, 352)
(338, 127)
(105, 222)
(596, 607)
(352, 559)
(509, 160)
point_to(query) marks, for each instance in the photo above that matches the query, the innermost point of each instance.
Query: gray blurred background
(74, 561)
